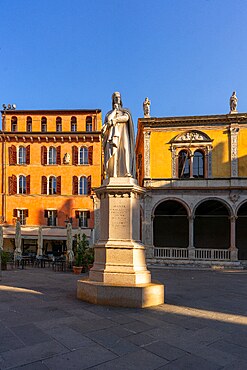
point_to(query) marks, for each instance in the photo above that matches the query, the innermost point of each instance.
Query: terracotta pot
(77, 269)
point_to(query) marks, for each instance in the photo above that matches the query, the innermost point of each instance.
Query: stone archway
(212, 225)
(170, 225)
(241, 232)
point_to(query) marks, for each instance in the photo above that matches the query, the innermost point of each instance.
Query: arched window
(198, 164)
(183, 164)
(22, 155)
(52, 155)
(73, 124)
(22, 185)
(83, 186)
(52, 185)
(43, 124)
(14, 124)
(83, 155)
(29, 124)
(89, 124)
(58, 124)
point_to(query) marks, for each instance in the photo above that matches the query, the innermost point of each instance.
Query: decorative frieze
(147, 154)
(209, 154)
(174, 162)
(234, 151)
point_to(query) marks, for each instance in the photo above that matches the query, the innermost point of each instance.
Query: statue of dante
(233, 102)
(119, 142)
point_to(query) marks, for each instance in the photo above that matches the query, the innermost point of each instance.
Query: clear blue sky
(187, 56)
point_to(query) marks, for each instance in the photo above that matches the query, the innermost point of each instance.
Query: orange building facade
(50, 163)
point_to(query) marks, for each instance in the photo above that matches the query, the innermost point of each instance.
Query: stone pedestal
(119, 276)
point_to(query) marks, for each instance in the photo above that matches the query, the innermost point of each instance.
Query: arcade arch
(212, 225)
(170, 225)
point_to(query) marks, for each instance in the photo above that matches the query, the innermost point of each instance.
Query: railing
(197, 254)
(213, 254)
(172, 253)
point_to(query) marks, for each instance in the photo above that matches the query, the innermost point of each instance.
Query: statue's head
(116, 99)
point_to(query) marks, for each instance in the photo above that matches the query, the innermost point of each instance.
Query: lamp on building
(9, 107)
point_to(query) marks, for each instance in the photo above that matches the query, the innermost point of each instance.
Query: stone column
(147, 230)
(234, 151)
(191, 248)
(233, 249)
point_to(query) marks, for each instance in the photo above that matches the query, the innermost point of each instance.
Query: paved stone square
(203, 324)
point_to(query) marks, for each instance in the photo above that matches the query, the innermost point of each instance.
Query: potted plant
(4, 260)
(81, 247)
(89, 258)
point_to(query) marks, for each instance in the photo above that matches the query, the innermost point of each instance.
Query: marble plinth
(119, 276)
(136, 295)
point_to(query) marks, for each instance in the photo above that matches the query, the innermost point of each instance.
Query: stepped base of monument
(138, 295)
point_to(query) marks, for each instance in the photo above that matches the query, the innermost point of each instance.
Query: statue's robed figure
(119, 141)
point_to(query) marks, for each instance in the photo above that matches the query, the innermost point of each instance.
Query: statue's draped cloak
(125, 150)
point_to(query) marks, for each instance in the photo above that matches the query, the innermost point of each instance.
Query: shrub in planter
(5, 258)
(82, 253)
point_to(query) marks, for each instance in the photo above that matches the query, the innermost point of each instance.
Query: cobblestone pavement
(203, 324)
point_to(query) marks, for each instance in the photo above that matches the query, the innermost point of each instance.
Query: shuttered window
(22, 155)
(29, 124)
(89, 124)
(90, 155)
(59, 124)
(73, 124)
(51, 216)
(43, 155)
(82, 217)
(22, 185)
(74, 155)
(83, 155)
(44, 185)
(43, 124)
(14, 124)
(82, 190)
(52, 185)
(21, 215)
(12, 185)
(52, 159)
(12, 155)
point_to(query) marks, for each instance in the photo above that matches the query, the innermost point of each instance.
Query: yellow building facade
(195, 172)
(50, 163)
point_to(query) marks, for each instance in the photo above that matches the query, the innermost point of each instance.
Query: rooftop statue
(118, 142)
(146, 107)
(233, 103)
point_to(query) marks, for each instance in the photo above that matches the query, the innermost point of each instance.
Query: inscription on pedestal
(120, 220)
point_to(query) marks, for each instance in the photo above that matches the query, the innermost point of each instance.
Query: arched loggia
(170, 225)
(212, 225)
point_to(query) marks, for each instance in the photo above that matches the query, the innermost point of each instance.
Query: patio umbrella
(70, 253)
(40, 242)
(17, 252)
